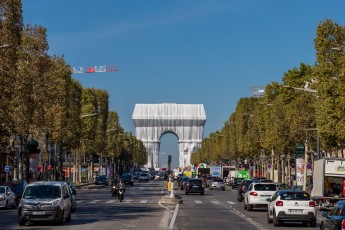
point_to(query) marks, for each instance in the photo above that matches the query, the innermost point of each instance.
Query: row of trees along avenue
(309, 101)
(40, 100)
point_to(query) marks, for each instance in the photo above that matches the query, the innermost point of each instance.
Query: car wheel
(269, 220)
(21, 222)
(249, 208)
(244, 206)
(313, 223)
(186, 193)
(7, 204)
(276, 223)
(69, 217)
(139, 181)
(202, 193)
(62, 219)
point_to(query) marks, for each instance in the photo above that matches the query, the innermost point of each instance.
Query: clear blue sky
(197, 51)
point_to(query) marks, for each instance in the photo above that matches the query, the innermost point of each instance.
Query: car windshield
(265, 187)
(217, 179)
(2, 189)
(42, 192)
(143, 174)
(294, 196)
(185, 178)
(126, 177)
(195, 182)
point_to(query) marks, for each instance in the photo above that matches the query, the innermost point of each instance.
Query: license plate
(295, 210)
(195, 186)
(38, 213)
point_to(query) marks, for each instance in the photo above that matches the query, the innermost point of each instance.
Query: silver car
(7, 197)
(217, 183)
(45, 201)
(144, 177)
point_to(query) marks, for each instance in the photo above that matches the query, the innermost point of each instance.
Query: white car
(7, 197)
(257, 193)
(291, 205)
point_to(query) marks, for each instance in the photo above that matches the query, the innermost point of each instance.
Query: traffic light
(15, 161)
(169, 159)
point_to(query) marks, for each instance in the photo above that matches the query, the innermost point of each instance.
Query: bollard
(172, 195)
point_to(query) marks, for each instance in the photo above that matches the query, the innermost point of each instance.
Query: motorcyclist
(121, 185)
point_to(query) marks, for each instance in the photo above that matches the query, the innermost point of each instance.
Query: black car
(127, 179)
(183, 182)
(101, 180)
(335, 219)
(242, 189)
(236, 183)
(18, 188)
(194, 186)
(73, 196)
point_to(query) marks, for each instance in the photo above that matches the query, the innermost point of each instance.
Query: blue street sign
(7, 169)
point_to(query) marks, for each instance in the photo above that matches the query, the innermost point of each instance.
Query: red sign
(164, 169)
(48, 167)
(39, 167)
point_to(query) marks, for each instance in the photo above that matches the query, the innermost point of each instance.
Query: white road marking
(127, 201)
(214, 202)
(230, 202)
(143, 201)
(94, 201)
(110, 201)
(198, 201)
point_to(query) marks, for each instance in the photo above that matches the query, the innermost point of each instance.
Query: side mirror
(268, 200)
(74, 192)
(66, 196)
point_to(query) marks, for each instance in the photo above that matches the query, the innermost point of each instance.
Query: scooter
(120, 194)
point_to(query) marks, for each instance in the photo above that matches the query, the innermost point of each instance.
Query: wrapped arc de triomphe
(186, 121)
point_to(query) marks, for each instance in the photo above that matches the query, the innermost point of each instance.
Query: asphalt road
(97, 209)
(220, 210)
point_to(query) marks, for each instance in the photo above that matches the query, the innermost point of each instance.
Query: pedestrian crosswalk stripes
(115, 200)
(213, 202)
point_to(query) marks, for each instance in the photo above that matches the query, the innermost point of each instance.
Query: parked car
(217, 183)
(257, 193)
(194, 186)
(237, 182)
(73, 195)
(291, 206)
(183, 182)
(7, 197)
(18, 188)
(335, 219)
(45, 201)
(101, 180)
(242, 189)
(144, 177)
(127, 179)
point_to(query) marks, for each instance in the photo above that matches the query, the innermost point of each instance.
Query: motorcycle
(120, 194)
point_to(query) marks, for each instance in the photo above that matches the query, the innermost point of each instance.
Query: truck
(228, 171)
(328, 182)
(202, 171)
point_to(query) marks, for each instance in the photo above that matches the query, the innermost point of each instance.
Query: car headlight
(55, 203)
(2, 197)
(114, 187)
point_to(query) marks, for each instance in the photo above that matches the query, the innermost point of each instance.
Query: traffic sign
(7, 168)
(309, 166)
